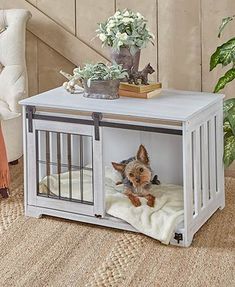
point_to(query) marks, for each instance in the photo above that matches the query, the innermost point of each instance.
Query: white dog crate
(72, 137)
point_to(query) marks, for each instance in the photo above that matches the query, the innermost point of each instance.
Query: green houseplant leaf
(229, 149)
(224, 54)
(223, 81)
(224, 23)
(229, 113)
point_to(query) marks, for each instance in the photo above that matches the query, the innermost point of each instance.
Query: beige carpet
(54, 252)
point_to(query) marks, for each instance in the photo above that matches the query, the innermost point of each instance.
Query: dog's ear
(142, 155)
(119, 166)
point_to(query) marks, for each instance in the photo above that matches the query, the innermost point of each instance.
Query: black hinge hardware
(178, 237)
(98, 215)
(97, 117)
(30, 111)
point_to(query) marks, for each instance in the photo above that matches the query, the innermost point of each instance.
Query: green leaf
(231, 119)
(225, 22)
(229, 150)
(229, 104)
(223, 81)
(224, 54)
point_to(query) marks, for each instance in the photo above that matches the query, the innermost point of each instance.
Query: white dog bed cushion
(158, 222)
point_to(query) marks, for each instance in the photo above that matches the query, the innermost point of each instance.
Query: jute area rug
(54, 252)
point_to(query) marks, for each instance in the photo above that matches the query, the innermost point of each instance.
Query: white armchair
(13, 78)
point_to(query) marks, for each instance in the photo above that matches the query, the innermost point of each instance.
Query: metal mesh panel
(64, 166)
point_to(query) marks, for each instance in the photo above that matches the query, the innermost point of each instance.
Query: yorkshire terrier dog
(136, 177)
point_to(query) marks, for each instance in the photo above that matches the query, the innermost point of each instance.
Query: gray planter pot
(102, 89)
(125, 58)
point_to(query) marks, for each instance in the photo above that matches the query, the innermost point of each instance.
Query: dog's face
(137, 171)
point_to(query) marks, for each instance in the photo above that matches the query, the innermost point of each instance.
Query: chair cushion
(6, 113)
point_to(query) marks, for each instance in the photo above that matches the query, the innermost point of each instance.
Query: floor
(54, 252)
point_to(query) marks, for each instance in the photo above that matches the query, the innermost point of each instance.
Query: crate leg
(33, 212)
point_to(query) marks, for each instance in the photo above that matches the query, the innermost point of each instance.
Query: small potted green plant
(225, 55)
(100, 81)
(126, 33)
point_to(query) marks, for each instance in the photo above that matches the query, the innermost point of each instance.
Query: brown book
(140, 88)
(155, 93)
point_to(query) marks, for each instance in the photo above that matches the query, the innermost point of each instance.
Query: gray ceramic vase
(102, 89)
(125, 58)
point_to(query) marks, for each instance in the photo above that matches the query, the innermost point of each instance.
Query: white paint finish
(35, 200)
(212, 157)
(98, 175)
(197, 171)
(63, 127)
(219, 161)
(31, 167)
(179, 44)
(171, 105)
(188, 186)
(205, 165)
(127, 141)
(165, 151)
(63, 205)
(25, 158)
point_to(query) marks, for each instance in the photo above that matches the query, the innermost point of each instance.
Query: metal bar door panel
(65, 168)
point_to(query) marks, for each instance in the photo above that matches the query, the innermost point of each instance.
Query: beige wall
(60, 32)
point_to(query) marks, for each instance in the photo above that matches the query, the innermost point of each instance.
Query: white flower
(111, 23)
(102, 37)
(109, 30)
(123, 36)
(117, 14)
(139, 15)
(65, 85)
(120, 43)
(126, 14)
(127, 20)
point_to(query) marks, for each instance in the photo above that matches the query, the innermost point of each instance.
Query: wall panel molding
(55, 36)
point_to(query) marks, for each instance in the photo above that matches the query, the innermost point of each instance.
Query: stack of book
(140, 91)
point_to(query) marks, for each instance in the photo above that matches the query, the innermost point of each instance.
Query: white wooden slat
(31, 165)
(205, 165)
(188, 185)
(219, 154)
(197, 171)
(25, 158)
(64, 205)
(98, 176)
(212, 155)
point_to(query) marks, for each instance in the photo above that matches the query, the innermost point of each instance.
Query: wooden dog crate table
(77, 134)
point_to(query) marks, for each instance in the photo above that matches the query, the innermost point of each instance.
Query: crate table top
(170, 105)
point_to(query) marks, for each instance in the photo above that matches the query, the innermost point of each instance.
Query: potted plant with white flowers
(100, 81)
(126, 32)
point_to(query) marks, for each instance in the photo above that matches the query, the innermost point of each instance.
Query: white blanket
(158, 222)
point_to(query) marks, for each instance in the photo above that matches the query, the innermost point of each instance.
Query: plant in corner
(225, 55)
(100, 81)
(126, 33)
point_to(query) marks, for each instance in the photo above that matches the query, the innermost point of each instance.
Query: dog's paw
(150, 200)
(135, 200)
